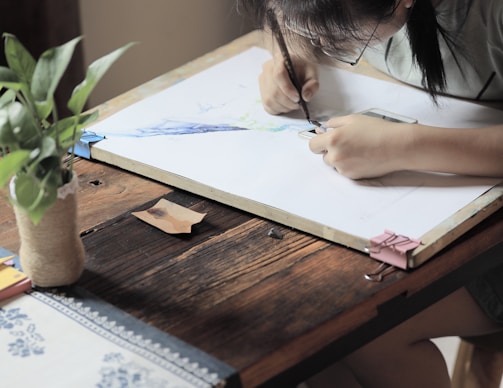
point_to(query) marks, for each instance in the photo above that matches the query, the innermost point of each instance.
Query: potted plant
(36, 156)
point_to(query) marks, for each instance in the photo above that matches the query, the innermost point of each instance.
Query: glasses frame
(316, 42)
(358, 58)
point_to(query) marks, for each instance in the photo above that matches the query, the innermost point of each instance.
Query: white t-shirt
(477, 29)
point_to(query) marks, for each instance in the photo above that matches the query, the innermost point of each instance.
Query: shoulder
(491, 11)
(472, 20)
(493, 15)
(495, 7)
(455, 13)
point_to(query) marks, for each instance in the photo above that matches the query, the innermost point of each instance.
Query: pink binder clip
(392, 248)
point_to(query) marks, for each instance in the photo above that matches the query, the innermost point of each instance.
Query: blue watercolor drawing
(26, 341)
(122, 373)
(169, 127)
(172, 127)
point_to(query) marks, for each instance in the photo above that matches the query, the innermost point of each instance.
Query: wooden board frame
(432, 242)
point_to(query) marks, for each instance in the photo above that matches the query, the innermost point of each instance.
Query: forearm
(470, 151)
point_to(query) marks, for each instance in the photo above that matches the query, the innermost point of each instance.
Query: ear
(408, 3)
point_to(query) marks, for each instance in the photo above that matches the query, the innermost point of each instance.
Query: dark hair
(338, 20)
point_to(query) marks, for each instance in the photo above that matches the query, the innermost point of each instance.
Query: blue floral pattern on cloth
(26, 341)
(114, 349)
(121, 373)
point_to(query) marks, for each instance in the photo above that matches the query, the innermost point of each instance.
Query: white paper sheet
(270, 164)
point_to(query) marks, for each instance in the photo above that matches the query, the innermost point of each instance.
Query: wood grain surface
(262, 305)
(277, 310)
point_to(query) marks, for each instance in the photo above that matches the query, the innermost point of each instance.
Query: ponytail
(424, 32)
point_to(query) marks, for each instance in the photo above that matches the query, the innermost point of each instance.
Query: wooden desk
(278, 311)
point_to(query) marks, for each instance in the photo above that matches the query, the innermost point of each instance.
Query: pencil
(276, 30)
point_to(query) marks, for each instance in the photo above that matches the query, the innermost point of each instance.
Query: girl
(452, 47)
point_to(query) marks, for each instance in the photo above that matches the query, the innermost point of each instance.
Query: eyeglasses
(338, 54)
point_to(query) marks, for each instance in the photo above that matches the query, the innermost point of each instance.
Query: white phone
(389, 116)
(374, 112)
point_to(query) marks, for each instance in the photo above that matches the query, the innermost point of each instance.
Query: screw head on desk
(275, 234)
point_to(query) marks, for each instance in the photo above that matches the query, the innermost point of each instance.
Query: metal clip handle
(380, 272)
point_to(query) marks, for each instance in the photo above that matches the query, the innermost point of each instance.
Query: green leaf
(35, 195)
(47, 149)
(20, 61)
(7, 137)
(44, 204)
(94, 73)
(69, 133)
(11, 164)
(22, 124)
(86, 119)
(28, 190)
(7, 97)
(44, 108)
(48, 72)
(51, 164)
(46, 166)
(9, 79)
(46, 200)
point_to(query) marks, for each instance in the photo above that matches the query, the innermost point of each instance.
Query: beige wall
(170, 33)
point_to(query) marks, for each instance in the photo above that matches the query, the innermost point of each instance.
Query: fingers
(359, 146)
(318, 144)
(279, 95)
(283, 82)
(311, 83)
(325, 139)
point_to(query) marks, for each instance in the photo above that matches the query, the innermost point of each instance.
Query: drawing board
(210, 135)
